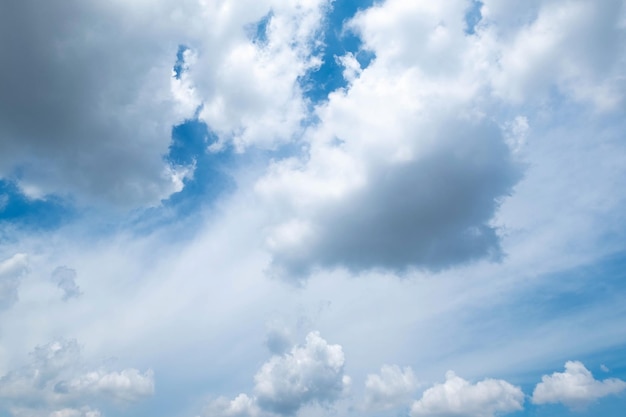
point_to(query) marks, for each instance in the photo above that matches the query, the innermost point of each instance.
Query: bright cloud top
(575, 388)
(312, 373)
(458, 397)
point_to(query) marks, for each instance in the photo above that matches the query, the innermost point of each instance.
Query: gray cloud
(11, 270)
(65, 278)
(432, 212)
(85, 106)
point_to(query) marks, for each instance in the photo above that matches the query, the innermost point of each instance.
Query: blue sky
(290, 208)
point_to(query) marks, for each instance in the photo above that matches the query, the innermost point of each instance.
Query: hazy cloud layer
(575, 388)
(11, 271)
(56, 378)
(65, 278)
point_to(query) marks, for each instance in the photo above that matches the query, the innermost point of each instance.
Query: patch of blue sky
(210, 178)
(21, 211)
(179, 65)
(319, 82)
(473, 16)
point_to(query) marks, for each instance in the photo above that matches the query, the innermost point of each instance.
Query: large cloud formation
(576, 387)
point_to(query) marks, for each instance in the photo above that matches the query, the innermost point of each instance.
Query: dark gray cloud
(431, 212)
(85, 107)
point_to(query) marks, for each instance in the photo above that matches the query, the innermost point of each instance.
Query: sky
(306, 208)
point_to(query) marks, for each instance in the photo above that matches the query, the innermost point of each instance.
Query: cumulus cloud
(88, 90)
(55, 379)
(401, 171)
(391, 388)
(312, 373)
(92, 87)
(65, 278)
(575, 388)
(11, 270)
(458, 397)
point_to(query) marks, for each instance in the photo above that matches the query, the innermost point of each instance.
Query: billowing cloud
(55, 379)
(65, 278)
(391, 388)
(459, 398)
(312, 373)
(403, 170)
(90, 100)
(11, 270)
(575, 388)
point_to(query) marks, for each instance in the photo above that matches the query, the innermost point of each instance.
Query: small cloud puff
(65, 278)
(575, 388)
(312, 373)
(458, 398)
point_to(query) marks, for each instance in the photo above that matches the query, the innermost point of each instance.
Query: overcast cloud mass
(306, 208)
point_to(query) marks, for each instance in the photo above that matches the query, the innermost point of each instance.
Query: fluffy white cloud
(11, 270)
(312, 373)
(55, 377)
(576, 387)
(391, 388)
(404, 169)
(555, 44)
(458, 397)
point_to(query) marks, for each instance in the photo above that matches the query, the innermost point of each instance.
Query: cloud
(11, 270)
(88, 90)
(312, 373)
(73, 412)
(92, 87)
(65, 279)
(558, 48)
(575, 388)
(458, 397)
(391, 388)
(56, 377)
(404, 169)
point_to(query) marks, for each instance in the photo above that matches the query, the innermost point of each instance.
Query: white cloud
(404, 168)
(458, 397)
(391, 388)
(575, 388)
(55, 377)
(312, 373)
(11, 271)
(558, 48)
(73, 412)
